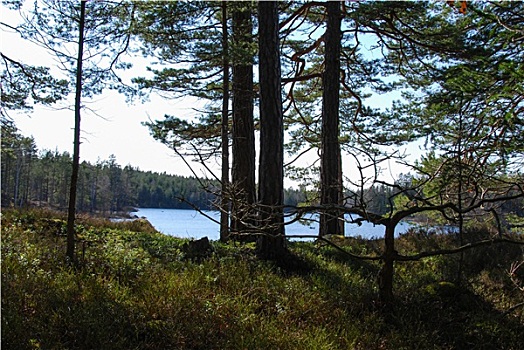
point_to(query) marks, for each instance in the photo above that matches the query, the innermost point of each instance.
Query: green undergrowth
(134, 288)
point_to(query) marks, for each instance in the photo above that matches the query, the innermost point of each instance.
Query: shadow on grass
(455, 318)
(346, 282)
(437, 314)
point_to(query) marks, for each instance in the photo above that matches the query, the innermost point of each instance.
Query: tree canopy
(342, 87)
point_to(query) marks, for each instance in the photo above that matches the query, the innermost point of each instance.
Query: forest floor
(134, 288)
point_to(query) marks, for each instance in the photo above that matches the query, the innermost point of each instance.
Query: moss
(442, 289)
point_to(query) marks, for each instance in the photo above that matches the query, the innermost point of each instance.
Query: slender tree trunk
(341, 197)
(331, 173)
(46, 190)
(243, 172)
(4, 178)
(70, 253)
(51, 188)
(224, 201)
(18, 173)
(271, 169)
(94, 190)
(82, 192)
(28, 193)
(459, 198)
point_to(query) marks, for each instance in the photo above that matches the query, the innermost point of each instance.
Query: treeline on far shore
(42, 178)
(33, 177)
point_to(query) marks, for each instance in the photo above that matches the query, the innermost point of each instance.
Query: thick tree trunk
(224, 201)
(243, 172)
(271, 171)
(385, 280)
(70, 253)
(331, 173)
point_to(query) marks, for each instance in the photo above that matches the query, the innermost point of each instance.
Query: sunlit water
(192, 224)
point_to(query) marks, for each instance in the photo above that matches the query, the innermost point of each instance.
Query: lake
(191, 224)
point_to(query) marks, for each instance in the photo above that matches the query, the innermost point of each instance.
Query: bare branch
(457, 250)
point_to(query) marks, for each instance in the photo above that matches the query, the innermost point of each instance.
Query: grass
(137, 289)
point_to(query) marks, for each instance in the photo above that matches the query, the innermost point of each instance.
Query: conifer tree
(331, 186)
(193, 67)
(271, 170)
(243, 133)
(58, 26)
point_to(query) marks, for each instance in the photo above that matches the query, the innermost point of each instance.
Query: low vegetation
(134, 288)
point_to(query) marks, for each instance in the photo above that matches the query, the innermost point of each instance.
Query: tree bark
(224, 201)
(243, 172)
(271, 170)
(70, 253)
(331, 173)
(385, 278)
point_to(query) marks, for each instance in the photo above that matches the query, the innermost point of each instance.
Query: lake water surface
(191, 224)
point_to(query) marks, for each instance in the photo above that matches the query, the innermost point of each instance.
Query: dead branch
(513, 274)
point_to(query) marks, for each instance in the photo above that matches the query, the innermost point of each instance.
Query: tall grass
(137, 289)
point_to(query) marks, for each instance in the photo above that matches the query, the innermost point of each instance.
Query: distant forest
(42, 178)
(30, 176)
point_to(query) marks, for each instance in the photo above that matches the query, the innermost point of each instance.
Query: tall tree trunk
(4, 178)
(224, 201)
(460, 155)
(16, 190)
(27, 191)
(243, 172)
(271, 169)
(385, 280)
(70, 253)
(341, 222)
(331, 174)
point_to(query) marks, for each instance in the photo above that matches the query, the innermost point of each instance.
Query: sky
(116, 127)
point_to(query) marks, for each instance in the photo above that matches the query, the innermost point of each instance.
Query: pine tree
(90, 28)
(271, 243)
